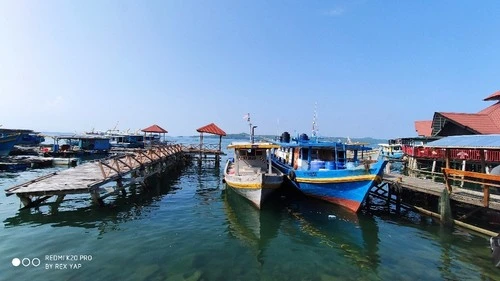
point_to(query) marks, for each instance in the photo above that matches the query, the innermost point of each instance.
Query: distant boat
(27, 137)
(391, 151)
(7, 142)
(77, 145)
(250, 172)
(325, 169)
(126, 140)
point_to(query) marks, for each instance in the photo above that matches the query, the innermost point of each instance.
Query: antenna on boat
(314, 125)
(252, 128)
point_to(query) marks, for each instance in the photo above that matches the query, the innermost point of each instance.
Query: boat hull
(347, 194)
(7, 143)
(347, 187)
(254, 186)
(255, 190)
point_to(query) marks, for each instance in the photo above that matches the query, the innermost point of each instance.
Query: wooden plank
(472, 174)
(433, 188)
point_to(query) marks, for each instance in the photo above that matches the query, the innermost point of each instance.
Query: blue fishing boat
(332, 171)
(7, 142)
(27, 137)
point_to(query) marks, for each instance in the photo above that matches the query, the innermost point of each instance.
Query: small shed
(154, 129)
(211, 129)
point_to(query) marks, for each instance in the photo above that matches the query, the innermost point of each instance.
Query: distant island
(245, 136)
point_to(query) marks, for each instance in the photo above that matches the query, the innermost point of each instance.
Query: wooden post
(26, 200)
(446, 180)
(269, 161)
(486, 189)
(388, 168)
(97, 199)
(433, 166)
(60, 198)
(447, 157)
(463, 169)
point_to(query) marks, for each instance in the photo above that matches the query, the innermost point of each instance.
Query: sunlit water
(188, 226)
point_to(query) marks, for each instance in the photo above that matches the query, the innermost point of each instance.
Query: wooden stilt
(36, 202)
(97, 199)
(60, 198)
(25, 200)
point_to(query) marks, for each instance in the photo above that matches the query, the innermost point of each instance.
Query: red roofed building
(424, 128)
(486, 121)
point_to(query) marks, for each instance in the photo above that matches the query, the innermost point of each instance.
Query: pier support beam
(97, 199)
(25, 200)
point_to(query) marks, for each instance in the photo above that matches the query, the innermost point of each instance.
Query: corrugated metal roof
(154, 129)
(468, 141)
(211, 129)
(424, 128)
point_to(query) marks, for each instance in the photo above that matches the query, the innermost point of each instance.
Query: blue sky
(372, 67)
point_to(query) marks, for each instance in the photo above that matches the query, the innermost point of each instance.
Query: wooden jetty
(91, 176)
(477, 195)
(204, 152)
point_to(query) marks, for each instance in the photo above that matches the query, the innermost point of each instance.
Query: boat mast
(252, 128)
(314, 125)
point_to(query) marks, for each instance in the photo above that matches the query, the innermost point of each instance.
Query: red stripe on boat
(349, 204)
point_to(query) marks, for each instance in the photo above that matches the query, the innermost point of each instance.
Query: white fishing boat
(250, 172)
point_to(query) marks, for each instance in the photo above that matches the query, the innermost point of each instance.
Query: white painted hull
(255, 186)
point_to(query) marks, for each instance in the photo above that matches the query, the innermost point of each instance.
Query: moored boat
(7, 142)
(250, 173)
(391, 151)
(325, 169)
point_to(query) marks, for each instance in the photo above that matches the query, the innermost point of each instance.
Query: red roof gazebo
(211, 129)
(154, 129)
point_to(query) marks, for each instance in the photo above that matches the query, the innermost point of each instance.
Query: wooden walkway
(434, 188)
(89, 177)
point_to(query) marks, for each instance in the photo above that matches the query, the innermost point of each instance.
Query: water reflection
(355, 235)
(254, 227)
(79, 210)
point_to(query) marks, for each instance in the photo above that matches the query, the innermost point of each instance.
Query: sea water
(189, 226)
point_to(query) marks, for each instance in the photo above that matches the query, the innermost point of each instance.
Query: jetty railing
(91, 176)
(454, 153)
(485, 181)
(205, 148)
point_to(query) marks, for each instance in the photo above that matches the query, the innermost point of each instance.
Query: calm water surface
(188, 226)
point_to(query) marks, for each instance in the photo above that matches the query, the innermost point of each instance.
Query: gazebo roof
(154, 129)
(211, 129)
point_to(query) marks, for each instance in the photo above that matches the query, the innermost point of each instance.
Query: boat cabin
(252, 157)
(316, 156)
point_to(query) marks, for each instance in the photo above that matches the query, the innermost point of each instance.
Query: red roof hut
(154, 129)
(211, 129)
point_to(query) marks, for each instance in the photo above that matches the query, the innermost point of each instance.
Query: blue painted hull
(392, 155)
(7, 143)
(346, 187)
